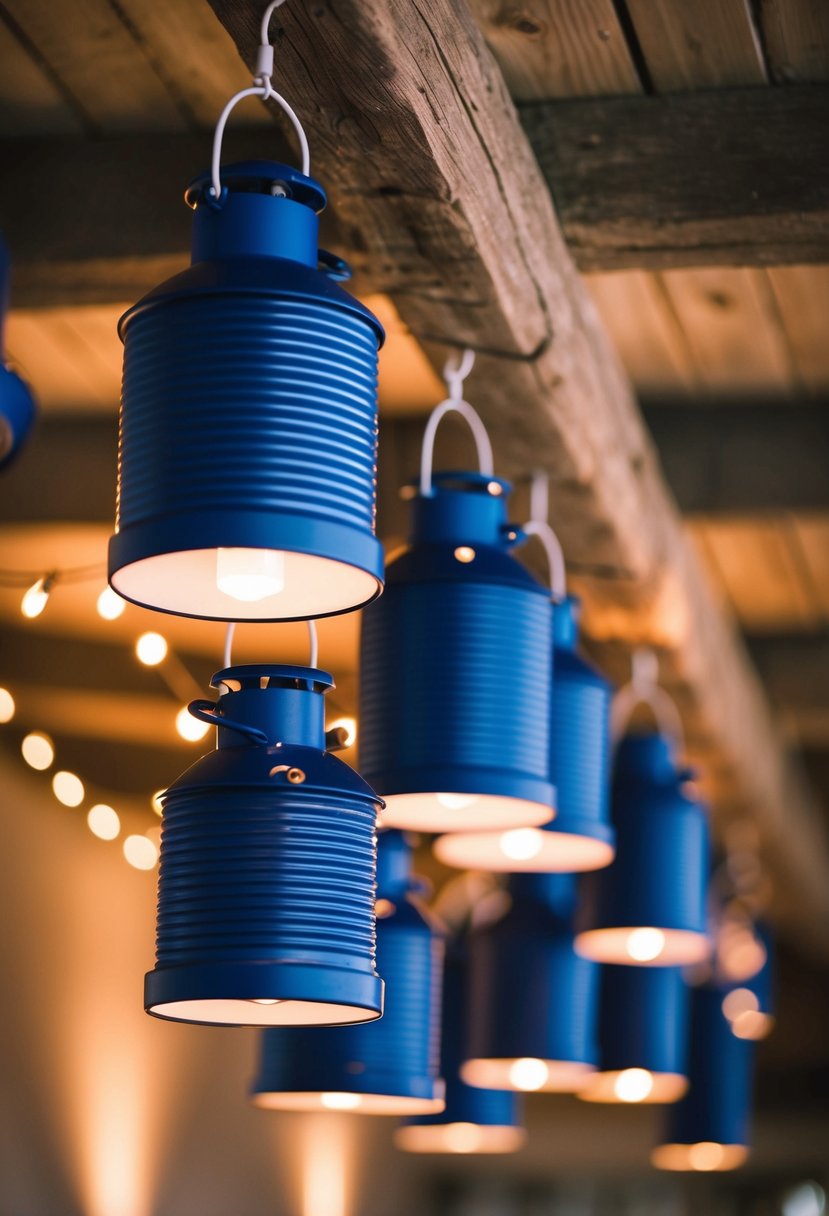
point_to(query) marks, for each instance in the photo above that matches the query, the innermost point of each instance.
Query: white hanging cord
(313, 639)
(455, 373)
(539, 526)
(262, 87)
(643, 689)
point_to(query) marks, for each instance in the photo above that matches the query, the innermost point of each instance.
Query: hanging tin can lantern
(643, 1032)
(17, 407)
(533, 1001)
(391, 1066)
(474, 1120)
(581, 836)
(248, 426)
(649, 907)
(266, 883)
(709, 1129)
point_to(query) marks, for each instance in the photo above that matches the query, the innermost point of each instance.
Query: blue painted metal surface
(659, 877)
(464, 1103)
(392, 1065)
(249, 412)
(531, 996)
(17, 407)
(717, 1107)
(456, 665)
(266, 884)
(643, 1019)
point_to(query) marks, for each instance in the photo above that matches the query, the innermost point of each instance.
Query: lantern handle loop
(538, 525)
(207, 711)
(262, 87)
(313, 639)
(454, 373)
(643, 689)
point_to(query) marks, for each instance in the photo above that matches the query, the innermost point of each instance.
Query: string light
(190, 728)
(151, 649)
(68, 788)
(38, 750)
(110, 606)
(103, 822)
(140, 852)
(37, 597)
(7, 705)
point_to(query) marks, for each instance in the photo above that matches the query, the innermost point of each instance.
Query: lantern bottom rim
(461, 811)
(460, 1138)
(681, 947)
(666, 1087)
(562, 1076)
(352, 1101)
(703, 1157)
(553, 851)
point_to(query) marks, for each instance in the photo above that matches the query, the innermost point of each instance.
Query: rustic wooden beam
(413, 130)
(735, 177)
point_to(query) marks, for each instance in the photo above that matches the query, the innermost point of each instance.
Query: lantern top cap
(462, 481)
(269, 675)
(258, 177)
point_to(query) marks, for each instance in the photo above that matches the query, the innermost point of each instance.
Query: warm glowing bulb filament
(250, 574)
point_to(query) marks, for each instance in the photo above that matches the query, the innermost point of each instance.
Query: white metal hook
(263, 88)
(455, 373)
(227, 657)
(643, 689)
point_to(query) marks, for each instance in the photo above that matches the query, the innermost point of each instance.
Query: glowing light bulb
(190, 728)
(528, 1074)
(250, 574)
(264, 1000)
(38, 750)
(340, 1101)
(110, 606)
(37, 597)
(68, 788)
(644, 945)
(6, 705)
(462, 1137)
(103, 822)
(464, 553)
(706, 1155)
(155, 801)
(349, 725)
(521, 844)
(140, 852)
(456, 802)
(633, 1085)
(151, 649)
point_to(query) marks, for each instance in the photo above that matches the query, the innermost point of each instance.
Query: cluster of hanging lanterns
(247, 492)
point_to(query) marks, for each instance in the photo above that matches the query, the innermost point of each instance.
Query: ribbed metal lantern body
(391, 1065)
(658, 878)
(456, 671)
(530, 995)
(581, 836)
(717, 1107)
(249, 417)
(17, 407)
(643, 1019)
(267, 874)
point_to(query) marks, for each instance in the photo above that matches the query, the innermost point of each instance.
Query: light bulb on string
(151, 649)
(103, 821)
(7, 705)
(109, 605)
(68, 788)
(37, 597)
(189, 728)
(140, 852)
(38, 750)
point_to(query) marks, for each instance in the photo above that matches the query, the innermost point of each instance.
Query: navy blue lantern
(266, 884)
(649, 907)
(17, 408)
(580, 837)
(456, 670)
(248, 430)
(533, 1003)
(643, 1032)
(708, 1129)
(387, 1068)
(475, 1120)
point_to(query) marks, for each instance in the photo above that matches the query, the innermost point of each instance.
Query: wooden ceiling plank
(802, 294)
(100, 64)
(707, 44)
(30, 101)
(812, 532)
(796, 39)
(423, 151)
(735, 338)
(558, 48)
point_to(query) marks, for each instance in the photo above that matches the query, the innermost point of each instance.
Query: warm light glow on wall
(325, 1181)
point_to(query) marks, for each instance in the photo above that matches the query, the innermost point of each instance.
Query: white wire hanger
(539, 525)
(313, 658)
(643, 689)
(262, 87)
(454, 373)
